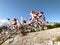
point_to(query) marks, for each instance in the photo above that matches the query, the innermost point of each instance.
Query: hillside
(35, 37)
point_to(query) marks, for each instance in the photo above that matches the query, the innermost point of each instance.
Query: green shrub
(53, 26)
(32, 30)
(49, 26)
(57, 25)
(42, 27)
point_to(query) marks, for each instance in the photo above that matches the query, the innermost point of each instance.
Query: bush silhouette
(57, 25)
(49, 26)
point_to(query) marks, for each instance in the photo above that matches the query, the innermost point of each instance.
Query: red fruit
(15, 19)
(24, 21)
(41, 12)
(30, 19)
(15, 23)
(19, 28)
(8, 19)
